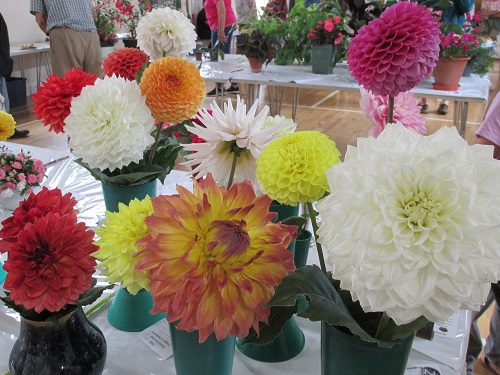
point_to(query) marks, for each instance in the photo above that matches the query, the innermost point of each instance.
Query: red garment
(211, 12)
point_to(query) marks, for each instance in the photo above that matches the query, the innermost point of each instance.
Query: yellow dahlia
(7, 125)
(174, 89)
(117, 244)
(214, 258)
(292, 169)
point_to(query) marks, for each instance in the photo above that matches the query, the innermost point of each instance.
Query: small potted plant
(107, 16)
(258, 47)
(129, 18)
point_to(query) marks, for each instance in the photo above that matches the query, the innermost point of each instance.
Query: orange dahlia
(174, 89)
(124, 62)
(214, 258)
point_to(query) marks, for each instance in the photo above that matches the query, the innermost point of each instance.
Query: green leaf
(392, 332)
(279, 315)
(91, 295)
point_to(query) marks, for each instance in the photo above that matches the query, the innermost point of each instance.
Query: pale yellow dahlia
(7, 125)
(174, 89)
(214, 258)
(292, 169)
(117, 244)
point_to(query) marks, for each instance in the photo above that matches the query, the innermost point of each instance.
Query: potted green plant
(105, 21)
(259, 47)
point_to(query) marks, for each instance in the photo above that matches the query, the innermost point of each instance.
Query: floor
(336, 114)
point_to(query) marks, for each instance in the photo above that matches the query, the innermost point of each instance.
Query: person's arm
(41, 21)
(221, 18)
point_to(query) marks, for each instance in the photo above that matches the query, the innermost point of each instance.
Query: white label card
(447, 329)
(157, 337)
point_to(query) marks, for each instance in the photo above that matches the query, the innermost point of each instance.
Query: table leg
(46, 62)
(295, 104)
(275, 99)
(251, 93)
(460, 112)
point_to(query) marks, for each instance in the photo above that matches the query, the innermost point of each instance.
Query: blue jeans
(226, 47)
(5, 94)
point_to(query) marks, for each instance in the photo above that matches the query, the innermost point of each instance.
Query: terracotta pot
(255, 64)
(448, 72)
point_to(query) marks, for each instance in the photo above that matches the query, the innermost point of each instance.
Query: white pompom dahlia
(110, 124)
(412, 224)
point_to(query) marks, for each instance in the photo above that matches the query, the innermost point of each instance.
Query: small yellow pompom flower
(292, 169)
(7, 125)
(174, 89)
(117, 244)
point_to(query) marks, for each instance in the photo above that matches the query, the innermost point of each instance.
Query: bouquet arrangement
(19, 172)
(106, 20)
(329, 31)
(43, 235)
(454, 45)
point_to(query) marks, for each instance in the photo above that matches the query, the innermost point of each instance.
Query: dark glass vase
(71, 345)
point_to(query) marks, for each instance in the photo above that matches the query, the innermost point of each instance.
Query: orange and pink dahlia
(393, 53)
(214, 258)
(174, 89)
(124, 62)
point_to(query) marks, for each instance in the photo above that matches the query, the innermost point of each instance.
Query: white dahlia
(110, 124)
(166, 32)
(230, 131)
(412, 224)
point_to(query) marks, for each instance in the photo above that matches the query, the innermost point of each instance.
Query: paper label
(447, 329)
(157, 337)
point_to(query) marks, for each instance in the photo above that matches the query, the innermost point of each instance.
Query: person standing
(6, 67)
(74, 42)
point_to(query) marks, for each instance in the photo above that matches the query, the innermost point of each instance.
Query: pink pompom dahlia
(124, 62)
(393, 53)
(406, 111)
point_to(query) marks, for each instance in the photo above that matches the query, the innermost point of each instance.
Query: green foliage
(482, 60)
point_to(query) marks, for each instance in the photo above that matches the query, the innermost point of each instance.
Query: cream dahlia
(110, 124)
(229, 132)
(411, 224)
(406, 111)
(166, 32)
(393, 53)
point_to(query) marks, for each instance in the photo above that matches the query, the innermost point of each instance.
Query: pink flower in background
(406, 111)
(21, 177)
(16, 165)
(393, 53)
(329, 25)
(32, 179)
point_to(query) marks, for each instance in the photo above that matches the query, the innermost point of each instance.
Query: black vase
(130, 43)
(71, 345)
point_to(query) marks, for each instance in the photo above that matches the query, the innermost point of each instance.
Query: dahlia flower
(7, 125)
(166, 32)
(406, 111)
(34, 207)
(287, 125)
(117, 244)
(124, 62)
(110, 124)
(50, 265)
(411, 224)
(393, 53)
(229, 132)
(292, 169)
(214, 258)
(174, 89)
(52, 102)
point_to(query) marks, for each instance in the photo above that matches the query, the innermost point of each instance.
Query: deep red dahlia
(52, 102)
(31, 210)
(392, 54)
(124, 62)
(50, 265)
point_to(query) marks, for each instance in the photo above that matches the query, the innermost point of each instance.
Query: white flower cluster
(166, 32)
(110, 124)
(412, 224)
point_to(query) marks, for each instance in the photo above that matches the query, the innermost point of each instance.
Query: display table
(41, 53)
(235, 68)
(128, 354)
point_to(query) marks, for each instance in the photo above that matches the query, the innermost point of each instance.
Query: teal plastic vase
(302, 243)
(3, 273)
(323, 58)
(345, 354)
(114, 194)
(284, 211)
(211, 357)
(131, 313)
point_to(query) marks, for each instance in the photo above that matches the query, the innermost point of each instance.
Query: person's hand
(222, 38)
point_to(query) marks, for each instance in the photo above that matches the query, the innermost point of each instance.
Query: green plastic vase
(130, 313)
(302, 243)
(3, 273)
(115, 194)
(211, 357)
(345, 354)
(323, 59)
(284, 211)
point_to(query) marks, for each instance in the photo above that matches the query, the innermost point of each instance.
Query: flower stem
(312, 214)
(233, 169)
(390, 110)
(155, 144)
(382, 324)
(98, 305)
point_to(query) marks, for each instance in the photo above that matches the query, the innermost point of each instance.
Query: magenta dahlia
(392, 54)
(406, 111)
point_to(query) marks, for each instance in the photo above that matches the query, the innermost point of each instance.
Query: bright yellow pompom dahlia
(174, 89)
(7, 125)
(117, 244)
(292, 169)
(214, 258)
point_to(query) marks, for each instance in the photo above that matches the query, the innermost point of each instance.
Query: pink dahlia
(406, 111)
(392, 54)
(124, 62)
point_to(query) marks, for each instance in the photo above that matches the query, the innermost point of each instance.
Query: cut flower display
(19, 171)
(214, 258)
